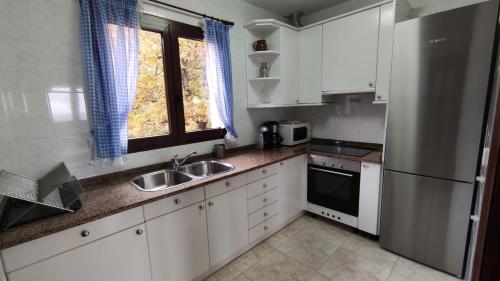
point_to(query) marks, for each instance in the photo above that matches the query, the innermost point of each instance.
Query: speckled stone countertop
(115, 194)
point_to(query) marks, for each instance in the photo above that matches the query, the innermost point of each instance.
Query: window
(173, 105)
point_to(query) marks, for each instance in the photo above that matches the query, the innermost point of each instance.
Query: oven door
(333, 188)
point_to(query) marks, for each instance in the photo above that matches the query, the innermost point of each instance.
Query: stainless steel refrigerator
(439, 87)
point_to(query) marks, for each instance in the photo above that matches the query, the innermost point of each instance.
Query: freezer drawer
(426, 219)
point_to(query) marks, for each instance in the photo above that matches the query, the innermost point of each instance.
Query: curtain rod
(191, 12)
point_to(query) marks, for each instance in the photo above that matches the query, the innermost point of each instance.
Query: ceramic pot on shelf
(260, 45)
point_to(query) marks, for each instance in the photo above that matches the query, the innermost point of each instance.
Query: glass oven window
(334, 189)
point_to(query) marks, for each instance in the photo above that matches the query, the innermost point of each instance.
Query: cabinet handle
(282, 164)
(85, 233)
(370, 84)
(177, 201)
(201, 207)
(264, 185)
(210, 203)
(139, 231)
(228, 184)
(365, 166)
(297, 101)
(264, 171)
(265, 227)
(379, 97)
(265, 200)
(265, 214)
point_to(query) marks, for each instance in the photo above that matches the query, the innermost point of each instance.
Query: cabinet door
(369, 198)
(178, 244)
(290, 197)
(386, 38)
(227, 220)
(310, 43)
(120, 257)
(350, 53)
(2, 271)
(290, 65)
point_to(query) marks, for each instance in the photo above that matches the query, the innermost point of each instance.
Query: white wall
(351, 118)
(42, 106)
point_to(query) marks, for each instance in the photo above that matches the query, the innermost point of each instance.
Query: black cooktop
(341, 149)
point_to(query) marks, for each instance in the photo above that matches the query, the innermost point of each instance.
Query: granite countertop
(114, 194)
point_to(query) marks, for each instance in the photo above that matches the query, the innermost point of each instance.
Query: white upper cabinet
(227, 224)
(369, 198)
(120, 257)
(178, 244)
(350, 53)
(290, 54)
(310, 61)
(386, 38)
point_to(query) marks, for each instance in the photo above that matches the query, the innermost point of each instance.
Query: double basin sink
(165, 179)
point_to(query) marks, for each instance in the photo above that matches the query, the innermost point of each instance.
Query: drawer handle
(365, 166)
(370, 84)
(264, 171)
(210, 203)
(264, 200)
(139, 231)
(85, 233)
(265, 214)
(177, 201)
(228, 184)
(265, 227)
(201, 207)
(281, 163)
(264, 185)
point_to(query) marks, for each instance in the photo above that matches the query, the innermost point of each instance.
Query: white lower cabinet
(227, 220)
(2, 272)
(369, 198)
(290, 191)
(120, 257)
(178, 244)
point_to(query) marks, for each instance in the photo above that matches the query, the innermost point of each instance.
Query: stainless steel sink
(159, 180)
(205, 168)
(170, 178)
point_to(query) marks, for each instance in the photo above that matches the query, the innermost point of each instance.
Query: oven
(333, 188)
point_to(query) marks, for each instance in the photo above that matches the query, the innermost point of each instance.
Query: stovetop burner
(341, 149)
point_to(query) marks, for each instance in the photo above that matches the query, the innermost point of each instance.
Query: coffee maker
(269, 136)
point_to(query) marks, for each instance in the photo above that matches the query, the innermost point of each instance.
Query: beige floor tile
(241, 277)
(395, 276)
(227, 273)
(278, 267)
(251, 257)
(368, 249)
(319, 277)
(346, 265)
(418, 272)
(329, 231)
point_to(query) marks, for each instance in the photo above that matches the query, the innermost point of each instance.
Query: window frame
(173, 86)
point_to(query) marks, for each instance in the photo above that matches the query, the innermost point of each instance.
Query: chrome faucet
(175, 160)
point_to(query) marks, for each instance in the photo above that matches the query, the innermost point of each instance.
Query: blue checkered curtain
(109, 37)
(219, 73)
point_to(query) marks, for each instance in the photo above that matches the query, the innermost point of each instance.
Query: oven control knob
(341, 166)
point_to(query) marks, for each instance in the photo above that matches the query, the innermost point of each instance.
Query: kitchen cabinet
(369, 198)
(290, 65)
(2, 272)
(290, 175)
(178, 244)
(227, 220)
(120, 257)
(310, 61)
(386, 39)
(350, 53)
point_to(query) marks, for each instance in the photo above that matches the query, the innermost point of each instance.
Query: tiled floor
(312, 249)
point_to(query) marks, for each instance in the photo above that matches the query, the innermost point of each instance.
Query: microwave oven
(296, 133)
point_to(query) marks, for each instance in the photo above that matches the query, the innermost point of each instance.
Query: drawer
(262, 186)
(263, 172)
(262, 229)
(48, 246)
(173, 203)
(226, 185)
(262, 214)
(259, 201)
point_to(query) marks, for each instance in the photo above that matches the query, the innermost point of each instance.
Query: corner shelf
(265, 80)
(263, 27)
(265, 56)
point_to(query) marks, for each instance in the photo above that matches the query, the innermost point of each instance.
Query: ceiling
(286, 7)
